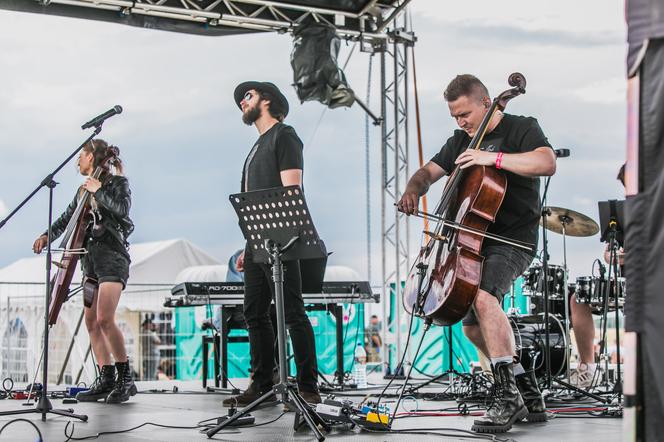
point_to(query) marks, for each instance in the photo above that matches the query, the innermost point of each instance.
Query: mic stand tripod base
(293, 401)
(580, 390)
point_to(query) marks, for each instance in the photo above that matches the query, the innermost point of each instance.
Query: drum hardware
(566, 222)
(512, 311)
(591, 291)
(528, 334)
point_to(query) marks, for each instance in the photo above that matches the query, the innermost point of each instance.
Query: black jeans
(258, 295)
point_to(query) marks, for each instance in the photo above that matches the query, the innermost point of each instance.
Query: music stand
(278, 227)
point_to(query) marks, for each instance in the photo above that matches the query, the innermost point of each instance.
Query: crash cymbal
(576, 224)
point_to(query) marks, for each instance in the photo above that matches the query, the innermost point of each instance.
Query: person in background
(373, 342)
(149, 346)
(164, 372)
(235, 273)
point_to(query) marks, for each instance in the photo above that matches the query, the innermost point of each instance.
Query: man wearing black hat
(275, 160)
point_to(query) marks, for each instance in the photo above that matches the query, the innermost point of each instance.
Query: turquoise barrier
(520, 300)
(433, 357)
(188, 341)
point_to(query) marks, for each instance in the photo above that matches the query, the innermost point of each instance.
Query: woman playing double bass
(107, 263)
(516, 146)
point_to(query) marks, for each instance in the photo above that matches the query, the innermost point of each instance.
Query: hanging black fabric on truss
(316, 75)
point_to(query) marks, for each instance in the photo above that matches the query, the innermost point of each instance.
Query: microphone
(99, 119)
(561, 153)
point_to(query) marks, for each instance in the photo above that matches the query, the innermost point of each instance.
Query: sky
(183, 142)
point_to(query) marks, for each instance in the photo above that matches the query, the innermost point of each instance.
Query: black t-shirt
(519, 213)
(277, 149)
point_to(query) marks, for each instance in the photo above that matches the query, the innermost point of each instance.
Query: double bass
(72, 245)
(444, 279)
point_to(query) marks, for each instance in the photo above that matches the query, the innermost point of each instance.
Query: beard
(250, 116)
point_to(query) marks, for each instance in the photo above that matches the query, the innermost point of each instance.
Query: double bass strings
(457, 226)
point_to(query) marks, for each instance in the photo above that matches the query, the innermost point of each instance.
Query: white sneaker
(583, 375)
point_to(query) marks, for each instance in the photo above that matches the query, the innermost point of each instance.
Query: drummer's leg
(584, 330)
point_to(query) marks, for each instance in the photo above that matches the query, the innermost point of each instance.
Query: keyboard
(191, 294)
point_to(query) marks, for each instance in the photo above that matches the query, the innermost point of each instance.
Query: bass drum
(530, 338)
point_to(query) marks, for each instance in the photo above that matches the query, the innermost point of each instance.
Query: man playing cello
(517, 146)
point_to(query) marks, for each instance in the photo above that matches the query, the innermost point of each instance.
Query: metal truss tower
(395, 232)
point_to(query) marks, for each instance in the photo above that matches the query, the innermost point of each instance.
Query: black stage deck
(191, 405)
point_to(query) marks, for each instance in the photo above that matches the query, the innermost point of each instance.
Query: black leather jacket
(113, 202)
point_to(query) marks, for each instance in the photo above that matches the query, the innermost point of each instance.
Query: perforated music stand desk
(278, 227)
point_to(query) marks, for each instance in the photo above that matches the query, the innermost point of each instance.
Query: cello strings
(457, 226)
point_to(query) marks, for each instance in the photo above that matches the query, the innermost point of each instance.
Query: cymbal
(576, 224)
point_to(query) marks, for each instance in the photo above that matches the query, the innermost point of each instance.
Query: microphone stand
(44, 405)
(545, 286)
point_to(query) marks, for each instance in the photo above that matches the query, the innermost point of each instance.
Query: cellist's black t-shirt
(519, 213)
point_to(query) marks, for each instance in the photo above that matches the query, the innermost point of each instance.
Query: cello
(72, 245)
(444, 279)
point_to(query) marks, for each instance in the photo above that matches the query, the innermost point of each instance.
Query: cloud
(603, 91)
(511, 36)
(559, 16)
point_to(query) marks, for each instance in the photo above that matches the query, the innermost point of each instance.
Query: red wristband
(499, 160)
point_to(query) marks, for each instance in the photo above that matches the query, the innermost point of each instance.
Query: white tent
(153, 270)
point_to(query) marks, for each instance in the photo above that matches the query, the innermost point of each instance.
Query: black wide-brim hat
(281, 103)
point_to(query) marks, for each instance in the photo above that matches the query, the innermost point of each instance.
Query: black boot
(101, 387)
(124, 386)
(252, 393)
(507, 406)
(532, 396)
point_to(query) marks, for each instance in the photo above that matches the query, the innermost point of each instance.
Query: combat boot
(124, 385)
(101, 387)
(532, 396)
(507, 405)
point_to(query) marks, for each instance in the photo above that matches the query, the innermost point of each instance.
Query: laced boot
(507, 406)
(124, 386)
(532, 396)
(101, 387)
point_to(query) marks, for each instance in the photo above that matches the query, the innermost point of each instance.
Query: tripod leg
(69, 413)
(307, 414)
(246, 410)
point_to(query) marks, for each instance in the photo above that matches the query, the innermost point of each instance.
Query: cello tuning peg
(57, 264)
(435, 236)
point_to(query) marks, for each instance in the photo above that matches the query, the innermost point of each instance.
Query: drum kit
(530, 326)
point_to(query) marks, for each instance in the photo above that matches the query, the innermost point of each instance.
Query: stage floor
(192, 404)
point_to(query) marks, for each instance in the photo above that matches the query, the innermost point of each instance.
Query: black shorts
(502, 265)
(106, 262)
